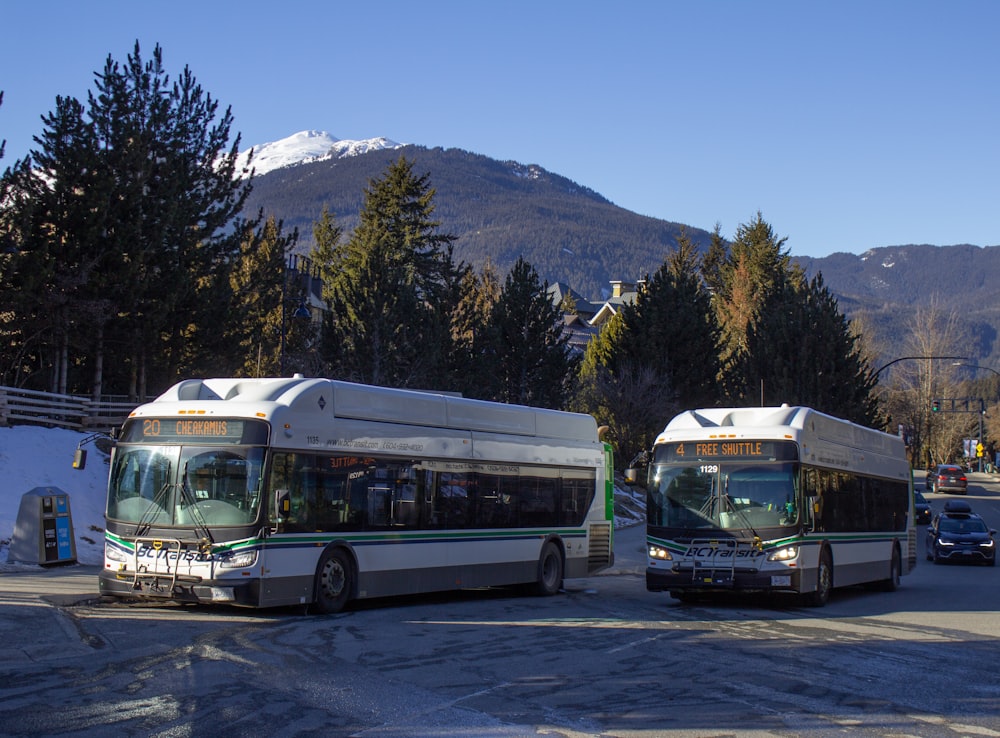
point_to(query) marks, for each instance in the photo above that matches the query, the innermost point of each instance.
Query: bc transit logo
(717, 552)
(154, 554)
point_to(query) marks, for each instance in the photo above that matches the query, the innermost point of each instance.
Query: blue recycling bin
(43, 532)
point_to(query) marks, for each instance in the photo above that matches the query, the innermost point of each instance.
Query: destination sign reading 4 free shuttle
(734, 450)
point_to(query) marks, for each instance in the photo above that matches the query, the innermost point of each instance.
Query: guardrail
(29, 407)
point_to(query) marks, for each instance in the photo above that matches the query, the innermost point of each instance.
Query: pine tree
(526, 358)
(802, 352)
(712, 263)
(784, 337)
(755, 270)
(477, 294)
(327, 254)
(135, 192)
(59, 202)
(387, 295)
(263, 335)
(632, 399)
(671, 329)
(3, 141)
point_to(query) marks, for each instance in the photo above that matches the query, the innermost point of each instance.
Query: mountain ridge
(500, 210)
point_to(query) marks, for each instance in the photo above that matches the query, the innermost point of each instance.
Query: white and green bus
(288, 491)
(776, 499)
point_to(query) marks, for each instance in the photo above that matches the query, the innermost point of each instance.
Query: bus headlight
(787, 553)
(658, 552)
(112, 553)
(238, 560)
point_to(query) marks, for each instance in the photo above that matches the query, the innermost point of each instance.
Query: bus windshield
(185, 485)
(723, 496)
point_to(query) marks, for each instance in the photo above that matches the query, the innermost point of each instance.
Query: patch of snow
(309, 146)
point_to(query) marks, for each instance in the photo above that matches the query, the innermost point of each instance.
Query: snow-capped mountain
(309, 146)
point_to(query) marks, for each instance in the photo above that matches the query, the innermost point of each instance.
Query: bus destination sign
(194, 430)
(722, 449)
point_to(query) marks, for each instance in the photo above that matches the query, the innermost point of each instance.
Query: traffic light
(936, 406)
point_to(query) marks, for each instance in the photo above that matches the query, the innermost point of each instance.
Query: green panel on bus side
(609, 482)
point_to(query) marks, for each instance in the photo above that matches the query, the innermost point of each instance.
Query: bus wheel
(550, 570)
(334, 581)
(824, 582)
(892, 583)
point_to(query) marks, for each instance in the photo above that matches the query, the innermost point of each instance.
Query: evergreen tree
(755, 270)
(671, 329)
(802, 352)
(526, 359)
(477, 294)
(712, 263)
(327, 253)
(390, 286)
(627, 397)
(264, 336)
(59, 204)
(135, 192)
(656, 355)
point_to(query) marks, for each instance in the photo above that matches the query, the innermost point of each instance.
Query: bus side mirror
(80, 458)
(282, 503)
(631, 476)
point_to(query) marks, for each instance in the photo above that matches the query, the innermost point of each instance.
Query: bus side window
(810, 495)
(332, 501)
(379, 506)
(577, 495)
(538, 500)
(451, 501)
(301, 493)
(295, 473)
(406, 513)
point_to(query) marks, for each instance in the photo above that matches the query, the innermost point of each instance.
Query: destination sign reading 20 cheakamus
(745, 450)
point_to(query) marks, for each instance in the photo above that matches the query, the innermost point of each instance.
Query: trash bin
(43, 532)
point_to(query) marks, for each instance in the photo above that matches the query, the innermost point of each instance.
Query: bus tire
(550, 570)
(895, 573)
(334, 581)
(824, 582)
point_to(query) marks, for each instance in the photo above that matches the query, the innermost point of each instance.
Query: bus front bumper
(701, 579)
(226, 592)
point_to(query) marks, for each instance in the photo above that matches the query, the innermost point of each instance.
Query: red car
(947, 478)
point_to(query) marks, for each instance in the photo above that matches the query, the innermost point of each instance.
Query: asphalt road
(603, 658)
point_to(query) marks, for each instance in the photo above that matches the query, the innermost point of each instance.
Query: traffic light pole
(937, 406)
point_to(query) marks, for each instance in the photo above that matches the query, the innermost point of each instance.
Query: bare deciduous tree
(911, 386)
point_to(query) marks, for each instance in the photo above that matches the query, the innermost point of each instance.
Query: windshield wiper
(732, 506)
(156, 507)
(201, 526)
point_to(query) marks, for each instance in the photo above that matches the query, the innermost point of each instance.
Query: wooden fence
(28, 407)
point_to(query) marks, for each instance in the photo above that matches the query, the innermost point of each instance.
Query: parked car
(946, 478)
(921, 508)
(958, 534)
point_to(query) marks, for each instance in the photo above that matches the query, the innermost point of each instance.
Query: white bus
(275, 492)
(776, 499)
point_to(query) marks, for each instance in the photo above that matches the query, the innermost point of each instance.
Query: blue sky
(849, 125)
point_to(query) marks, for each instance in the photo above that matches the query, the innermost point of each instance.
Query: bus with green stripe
(775, 500)
(316, 492)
